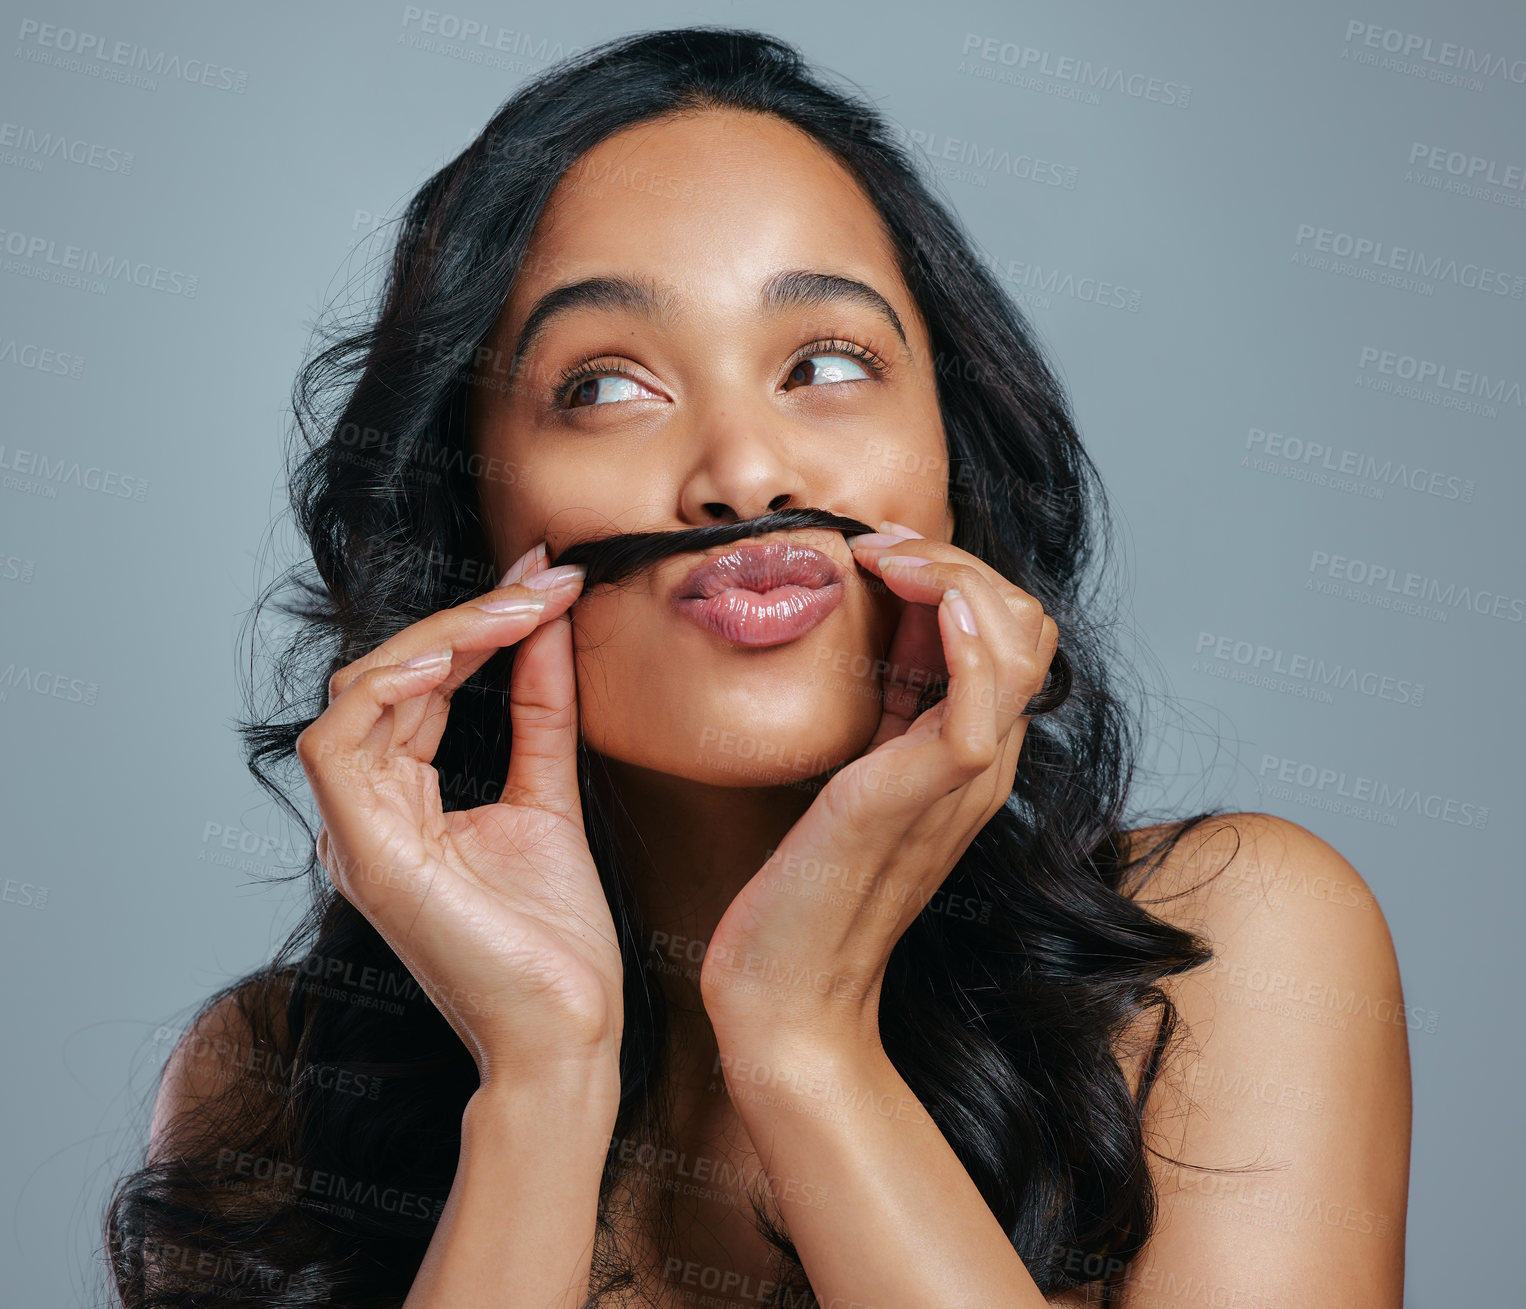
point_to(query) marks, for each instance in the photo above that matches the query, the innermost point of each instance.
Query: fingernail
(427, 660)
(875, 538)
(959, 609)
(904, 561)
(514, 604)
(523, 564)
(900, 530)
(558, 576)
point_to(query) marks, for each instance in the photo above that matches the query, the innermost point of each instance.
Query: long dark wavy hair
(321, 1175)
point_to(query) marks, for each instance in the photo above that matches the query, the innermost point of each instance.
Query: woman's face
(712, 405)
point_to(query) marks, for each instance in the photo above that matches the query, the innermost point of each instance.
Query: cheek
(533, 496)
(904, 478)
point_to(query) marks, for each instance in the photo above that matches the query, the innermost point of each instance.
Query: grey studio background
(1277, 253)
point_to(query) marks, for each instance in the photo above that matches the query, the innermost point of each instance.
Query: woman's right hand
(497, 911)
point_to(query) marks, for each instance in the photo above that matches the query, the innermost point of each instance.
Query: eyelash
(572, 375)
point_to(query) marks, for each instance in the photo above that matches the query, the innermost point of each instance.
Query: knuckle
(964, 577)
(308, 745)
(324, 851)
(318, 753)
(335, 870)
(1027, 608)
(336, 866)
(1031, 667)
(370, 678)
(973, 753)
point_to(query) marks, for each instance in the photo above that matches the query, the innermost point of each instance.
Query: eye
(837, 360)
(588, 383)
(842, 368)
(582, 385)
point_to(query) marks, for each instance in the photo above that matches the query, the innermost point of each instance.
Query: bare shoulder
(228, 1064)
(1233, 859)
(1291, 1072)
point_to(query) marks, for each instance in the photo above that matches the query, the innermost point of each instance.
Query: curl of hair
(1004, 1024)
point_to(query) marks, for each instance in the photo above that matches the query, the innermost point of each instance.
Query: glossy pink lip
(761, 595)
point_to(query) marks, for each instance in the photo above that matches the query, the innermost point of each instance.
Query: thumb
(543, 712)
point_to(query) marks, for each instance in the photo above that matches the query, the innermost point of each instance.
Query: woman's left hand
(800, 953)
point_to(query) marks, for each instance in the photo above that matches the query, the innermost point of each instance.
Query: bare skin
(721, 415)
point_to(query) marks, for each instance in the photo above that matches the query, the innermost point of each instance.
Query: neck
(689, 848)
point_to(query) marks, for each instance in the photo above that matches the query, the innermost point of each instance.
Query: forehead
(712, 204)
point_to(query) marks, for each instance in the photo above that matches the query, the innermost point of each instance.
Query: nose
(740, 474)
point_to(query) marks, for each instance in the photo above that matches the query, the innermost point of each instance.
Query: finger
(1012, 743)
(339, 745)
(1006, 766)
(920, 577)
(1049, 639)
(971, 721)
(473, 629)
(343, 776)
(1010, 625)
(937, 565)
(543, 712)
(999, 607)
(871, 551)
(968, 739)
(474, 632)
(1010, 694)
(558, 596)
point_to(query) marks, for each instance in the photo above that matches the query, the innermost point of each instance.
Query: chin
(670, 698)
(761, 732)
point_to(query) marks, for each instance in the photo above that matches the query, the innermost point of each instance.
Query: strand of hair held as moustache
(613, 559)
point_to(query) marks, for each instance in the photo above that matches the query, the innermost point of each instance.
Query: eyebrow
(794, 288)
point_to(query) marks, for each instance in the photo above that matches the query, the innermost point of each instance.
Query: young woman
(732, 905)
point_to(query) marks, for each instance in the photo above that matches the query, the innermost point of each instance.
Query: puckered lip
(759, 567)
